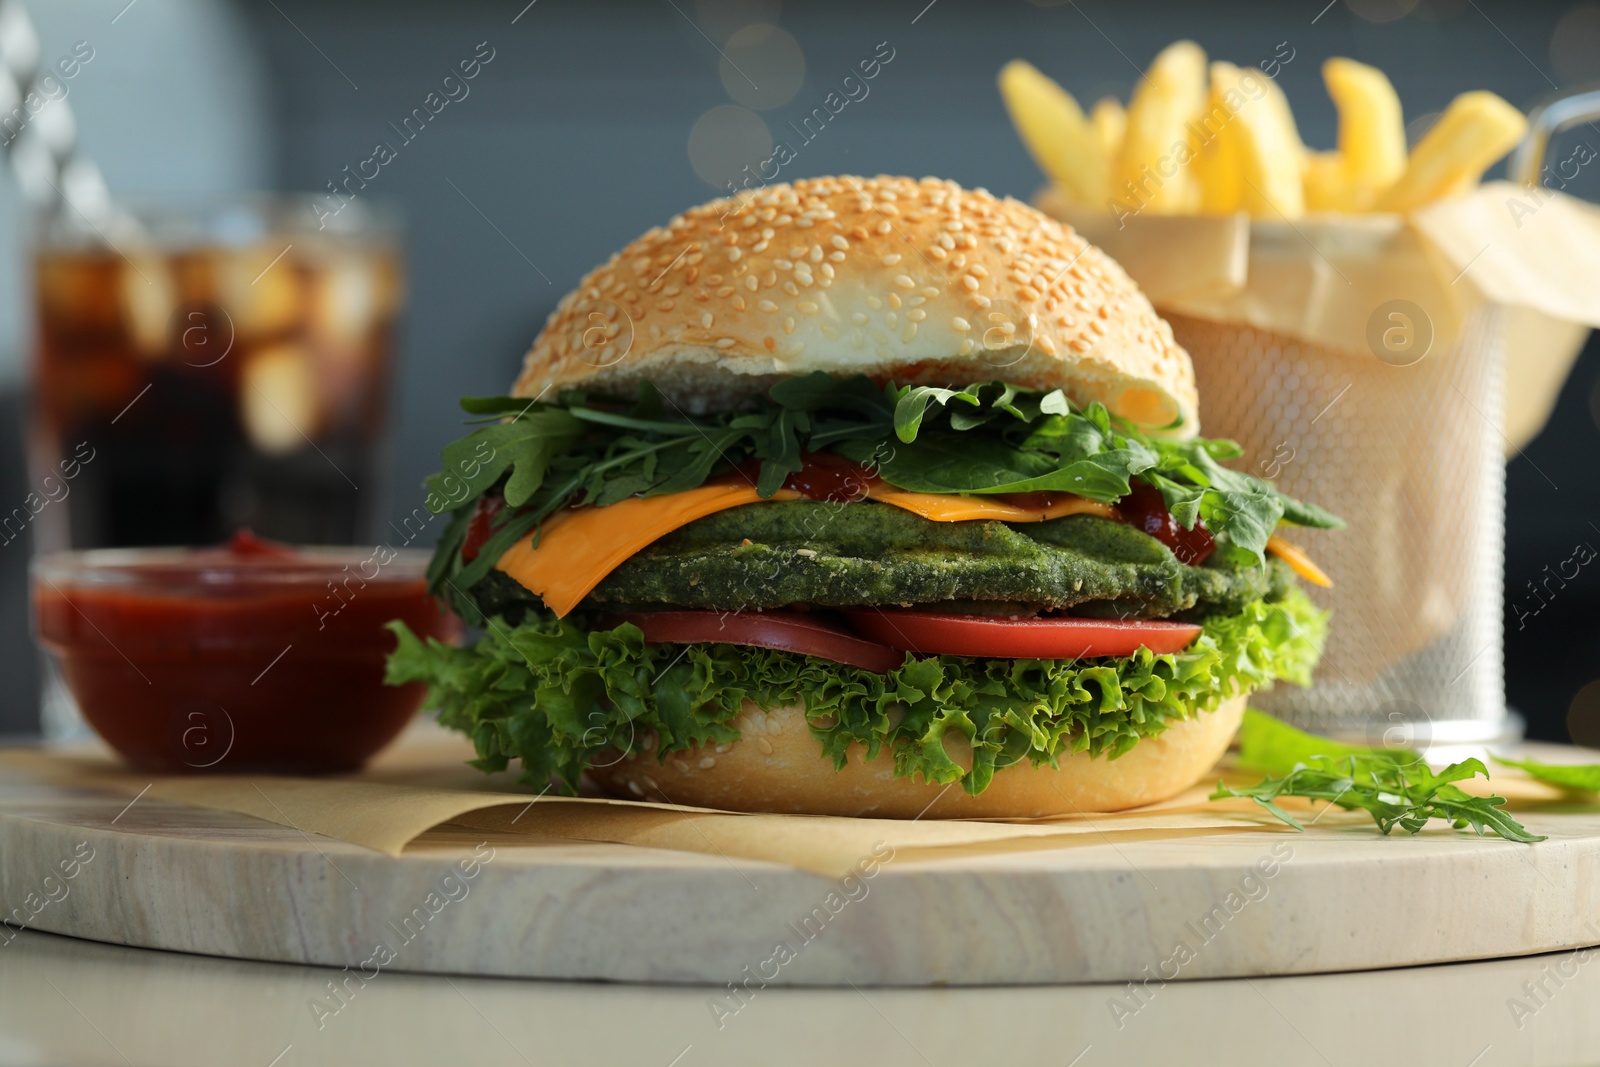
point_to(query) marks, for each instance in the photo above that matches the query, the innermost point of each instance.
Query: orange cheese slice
(579, 547)
(1298, 561)
(952, 507)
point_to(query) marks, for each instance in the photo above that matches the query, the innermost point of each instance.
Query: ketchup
(251, 656)
(1145, 508)
(481, 526)
(831, 477)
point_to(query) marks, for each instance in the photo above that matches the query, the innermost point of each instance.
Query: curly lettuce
(556, 696)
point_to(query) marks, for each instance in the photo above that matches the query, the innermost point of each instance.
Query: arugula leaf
(1575, 777)
(553, 695)
(1395, 786)
(913, 405)
(1399, 793)
(991, 437)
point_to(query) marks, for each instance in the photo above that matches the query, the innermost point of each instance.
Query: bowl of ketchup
(249, 657)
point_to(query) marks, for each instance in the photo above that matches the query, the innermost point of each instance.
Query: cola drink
(202, 369)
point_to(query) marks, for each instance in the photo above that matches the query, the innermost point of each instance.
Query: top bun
(917, 281)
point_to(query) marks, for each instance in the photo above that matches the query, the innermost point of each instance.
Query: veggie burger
(859, 497)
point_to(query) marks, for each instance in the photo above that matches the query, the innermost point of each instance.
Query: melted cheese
(1298, 561)
(579, 547)
(952, 507)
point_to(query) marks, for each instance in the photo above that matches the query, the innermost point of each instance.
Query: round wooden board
(1247, 903)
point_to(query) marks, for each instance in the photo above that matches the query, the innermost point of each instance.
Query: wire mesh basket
(1406, 445)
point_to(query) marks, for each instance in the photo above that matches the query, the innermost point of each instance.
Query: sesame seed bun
(917, 281)
(778, 766)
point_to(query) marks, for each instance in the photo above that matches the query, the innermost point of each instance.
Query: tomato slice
(981, 635)
(790, 631)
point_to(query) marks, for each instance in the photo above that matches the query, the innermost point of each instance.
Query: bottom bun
(778, 766)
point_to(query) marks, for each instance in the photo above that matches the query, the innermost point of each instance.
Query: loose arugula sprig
(989, 438)
(1394, 786)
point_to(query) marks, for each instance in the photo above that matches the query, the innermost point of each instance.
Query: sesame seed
(970, 282)
(806, 307)
(860, 318)
(1027, 292)
(734, 254)
(961, 324)
(916, 314)
(726, 342)
(766, 305)
(706, 320)
(839, 242)
(891, 259)
(788, 324)
(751, 282)
(904, 281)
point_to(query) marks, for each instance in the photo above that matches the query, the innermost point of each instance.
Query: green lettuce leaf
(1576, 777)
(555, 696)
(1272, 746)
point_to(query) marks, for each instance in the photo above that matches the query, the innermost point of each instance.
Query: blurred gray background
(593, 122)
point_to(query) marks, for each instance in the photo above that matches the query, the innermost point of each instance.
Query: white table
(64, 1001)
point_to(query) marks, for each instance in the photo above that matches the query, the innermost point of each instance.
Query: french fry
(1267, 143)
(1325, 179)
(1152, 167)
(1372, 132)
(1474, 131)
(1109, 120)
(1216, 167)
(1053, 127)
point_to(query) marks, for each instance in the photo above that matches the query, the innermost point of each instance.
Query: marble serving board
(152, 873)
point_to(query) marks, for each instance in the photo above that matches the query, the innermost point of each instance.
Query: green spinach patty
(778, 554)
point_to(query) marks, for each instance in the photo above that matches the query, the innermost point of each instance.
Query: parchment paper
(422, 784)
(1320, 277)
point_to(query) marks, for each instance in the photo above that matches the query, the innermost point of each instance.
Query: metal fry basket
(1408, 449)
